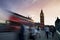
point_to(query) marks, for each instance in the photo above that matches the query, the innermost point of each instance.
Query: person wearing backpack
(32, 33)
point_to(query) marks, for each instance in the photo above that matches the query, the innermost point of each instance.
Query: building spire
(57, 18)
(41, 11)
(42, 19)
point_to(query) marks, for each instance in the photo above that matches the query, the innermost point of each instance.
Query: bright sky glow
(32, 8)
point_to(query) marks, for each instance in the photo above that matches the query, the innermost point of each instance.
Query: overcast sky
(51, 9)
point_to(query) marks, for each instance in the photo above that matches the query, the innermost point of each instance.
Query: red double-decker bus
(15, 20)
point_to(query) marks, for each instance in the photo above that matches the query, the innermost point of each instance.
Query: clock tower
(42, 19)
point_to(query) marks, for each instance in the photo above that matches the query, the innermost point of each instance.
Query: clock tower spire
(42, 19)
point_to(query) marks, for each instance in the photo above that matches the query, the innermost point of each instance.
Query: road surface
(13, 35)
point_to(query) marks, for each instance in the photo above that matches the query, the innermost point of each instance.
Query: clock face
(41, 15)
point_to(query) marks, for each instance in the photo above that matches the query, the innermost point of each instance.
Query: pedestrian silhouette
(47, 31)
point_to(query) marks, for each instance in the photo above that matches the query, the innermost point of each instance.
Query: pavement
(13, 35)
(43, 36)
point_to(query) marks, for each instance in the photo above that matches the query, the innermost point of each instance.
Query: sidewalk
(43, 36)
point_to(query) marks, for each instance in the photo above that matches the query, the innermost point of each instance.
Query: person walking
(38, 33)
(47, 31)
(21, 33)
(32, 33)
(53, 30)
